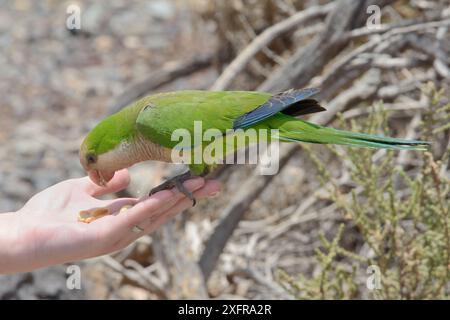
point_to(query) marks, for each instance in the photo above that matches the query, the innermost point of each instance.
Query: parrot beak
(100, 178)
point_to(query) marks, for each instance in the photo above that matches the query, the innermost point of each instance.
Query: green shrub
(401, 213)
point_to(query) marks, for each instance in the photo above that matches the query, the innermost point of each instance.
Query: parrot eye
(90, 158)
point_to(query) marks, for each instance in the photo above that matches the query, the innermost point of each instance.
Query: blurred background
(316, 230)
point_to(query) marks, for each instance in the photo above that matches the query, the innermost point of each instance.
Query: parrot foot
(176, 182)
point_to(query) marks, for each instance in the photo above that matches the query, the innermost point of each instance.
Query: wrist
(10, 250)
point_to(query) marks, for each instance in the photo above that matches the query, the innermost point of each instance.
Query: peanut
(87, 216)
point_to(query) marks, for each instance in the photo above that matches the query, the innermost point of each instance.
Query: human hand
(46, 230)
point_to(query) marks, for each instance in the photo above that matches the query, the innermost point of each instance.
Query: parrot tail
(298, 130)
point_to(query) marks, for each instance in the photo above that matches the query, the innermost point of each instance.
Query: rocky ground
(56, 85)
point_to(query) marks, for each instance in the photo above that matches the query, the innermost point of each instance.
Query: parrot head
(90, 163)
(104, 149)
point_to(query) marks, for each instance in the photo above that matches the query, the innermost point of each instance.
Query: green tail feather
(308, 132)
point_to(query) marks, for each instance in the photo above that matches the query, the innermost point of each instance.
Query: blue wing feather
(275, 104)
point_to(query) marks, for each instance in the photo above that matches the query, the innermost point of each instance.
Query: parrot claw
(176, 182)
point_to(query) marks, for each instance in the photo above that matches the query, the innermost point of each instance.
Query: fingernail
(214, 194)
(195, 183)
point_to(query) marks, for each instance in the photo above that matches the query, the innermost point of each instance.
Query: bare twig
(140, 279)
(337, 25)
(166, 74)
(333, 73)
(264, 39)
(259, 278)
(363, 90)
(233, 214)
(185, 276)
(309, 60)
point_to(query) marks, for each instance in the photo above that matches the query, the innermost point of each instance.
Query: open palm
(49, 233)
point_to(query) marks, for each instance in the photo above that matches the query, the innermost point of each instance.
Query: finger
(210, 189)
(170, 197)
(116, 205)
(151, 206)
(120, 181)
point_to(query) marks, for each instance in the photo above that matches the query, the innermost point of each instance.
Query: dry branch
(168, 73)
(233, 213)
(309, 60)
(185, 277)
(339, 22)
(261, 41)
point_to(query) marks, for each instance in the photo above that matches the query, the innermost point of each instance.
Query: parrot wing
(221, 110)
(292, 102)
(164, 113)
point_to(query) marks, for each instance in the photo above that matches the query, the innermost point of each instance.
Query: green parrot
(143, 130)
